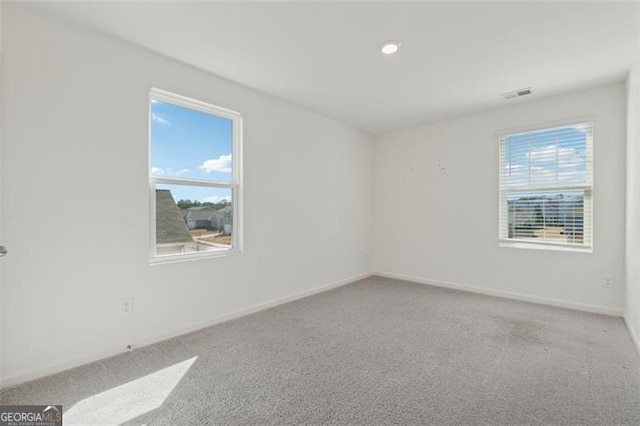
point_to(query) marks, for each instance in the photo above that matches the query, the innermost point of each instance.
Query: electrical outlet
(126, 306)
(607, 281)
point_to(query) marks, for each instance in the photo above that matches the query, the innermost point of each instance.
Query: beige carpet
(378, 351)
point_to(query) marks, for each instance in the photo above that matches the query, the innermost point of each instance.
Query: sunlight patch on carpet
(130, 400)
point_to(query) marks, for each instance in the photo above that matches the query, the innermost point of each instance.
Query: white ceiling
(455, 58)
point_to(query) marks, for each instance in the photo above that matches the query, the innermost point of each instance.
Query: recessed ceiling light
(390, 47)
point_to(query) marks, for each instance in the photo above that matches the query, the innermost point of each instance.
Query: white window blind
(546, 186)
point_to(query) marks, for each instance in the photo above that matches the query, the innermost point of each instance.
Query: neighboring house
(199, 217)
(574, 218)
(528, 214)
(172, 235)
(208, 218)
(223, 219)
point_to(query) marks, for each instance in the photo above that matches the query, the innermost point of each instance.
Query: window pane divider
(192, 182)
(534, 188)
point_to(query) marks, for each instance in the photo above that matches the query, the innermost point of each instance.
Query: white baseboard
(505, 294)
(53, 368)
(634, 333)
(56, 367)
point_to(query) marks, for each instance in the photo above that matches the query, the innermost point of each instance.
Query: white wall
(632, 311)
(444, 229)
(75, 138)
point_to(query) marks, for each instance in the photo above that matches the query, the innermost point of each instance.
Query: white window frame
(503, 232)
(235, 185)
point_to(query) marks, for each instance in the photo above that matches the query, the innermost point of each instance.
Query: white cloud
(582, 128)
(546, 165)
(221, 164)
(159, 119)
(167, 172)
(216, 199)
(548, 153)
(537, 175)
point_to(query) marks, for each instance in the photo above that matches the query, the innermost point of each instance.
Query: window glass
(193, 177)
(546, 186)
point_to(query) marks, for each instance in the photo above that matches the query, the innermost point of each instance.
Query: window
(194, 178)
(546, 188)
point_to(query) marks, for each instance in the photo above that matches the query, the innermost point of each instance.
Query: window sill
(186, 257)
(543, 246)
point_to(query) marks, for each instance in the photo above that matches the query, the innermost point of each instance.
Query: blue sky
(191, 144)
(546, 157)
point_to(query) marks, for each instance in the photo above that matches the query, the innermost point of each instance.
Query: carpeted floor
(377, 351)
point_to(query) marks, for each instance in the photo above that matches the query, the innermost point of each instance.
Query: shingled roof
(170, 226)
(200, 213)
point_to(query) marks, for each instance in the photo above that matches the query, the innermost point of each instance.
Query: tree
(539, 216)
(185, 204)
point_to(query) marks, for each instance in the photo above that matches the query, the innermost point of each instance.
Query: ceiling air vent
(517, 93)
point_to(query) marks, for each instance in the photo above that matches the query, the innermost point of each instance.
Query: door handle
(3, 251)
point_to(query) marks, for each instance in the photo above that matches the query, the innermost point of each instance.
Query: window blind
(546, 186)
